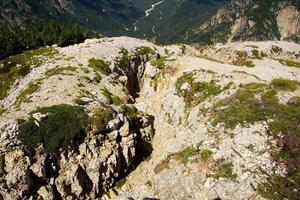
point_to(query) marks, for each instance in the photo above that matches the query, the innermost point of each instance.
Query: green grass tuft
(59, 70)
(24, 95)
(100, 66)
(226, 171)
(289, 63)
(285, 84)
(205, 154)
(196, 92)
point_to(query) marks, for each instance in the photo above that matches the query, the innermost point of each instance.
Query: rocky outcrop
(250, 20)
(288, 21)
(89, 170)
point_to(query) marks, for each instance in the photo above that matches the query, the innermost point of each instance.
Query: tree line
(40, 33)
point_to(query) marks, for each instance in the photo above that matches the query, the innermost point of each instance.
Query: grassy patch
(59, 70)
(289, 63)
(160, 63)
(205, 154)
(241, 108)
(24, 95)
(62, 127)
(144, 50)
(20, 65)
(196, 92)
(183, 156)
(226, 171)
(116, 100)
(242, 59)
(107, 95)
(102, 117)
(285, 84)
(100, 65)
(257, 102)
(211, 59)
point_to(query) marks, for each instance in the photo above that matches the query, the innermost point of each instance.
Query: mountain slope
(81, 122)
(242, 20)
(108, 16)
(171, 18)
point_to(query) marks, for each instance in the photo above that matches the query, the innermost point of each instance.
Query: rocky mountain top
(242, 20)
(122, 118)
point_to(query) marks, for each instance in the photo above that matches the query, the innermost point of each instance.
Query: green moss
(62, 127)
(205, 154)
(289, 63)
(100, 65)
(24, 95)
(59, 70)
(102, 117)
(285, 84)
(196, 92)
(226, 171)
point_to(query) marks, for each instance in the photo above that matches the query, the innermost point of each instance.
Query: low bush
(62, 127)
(102, 117)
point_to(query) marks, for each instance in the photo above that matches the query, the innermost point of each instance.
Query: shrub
(62, 127)
(116, 100)
(242, 59)
(285, 84)
(160, 63)
(123, 61)
(100, 65)
(102, 117)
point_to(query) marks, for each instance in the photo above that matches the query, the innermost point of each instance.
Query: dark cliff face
(242, 20)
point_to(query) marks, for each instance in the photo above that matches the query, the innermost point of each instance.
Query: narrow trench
(135, 75)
